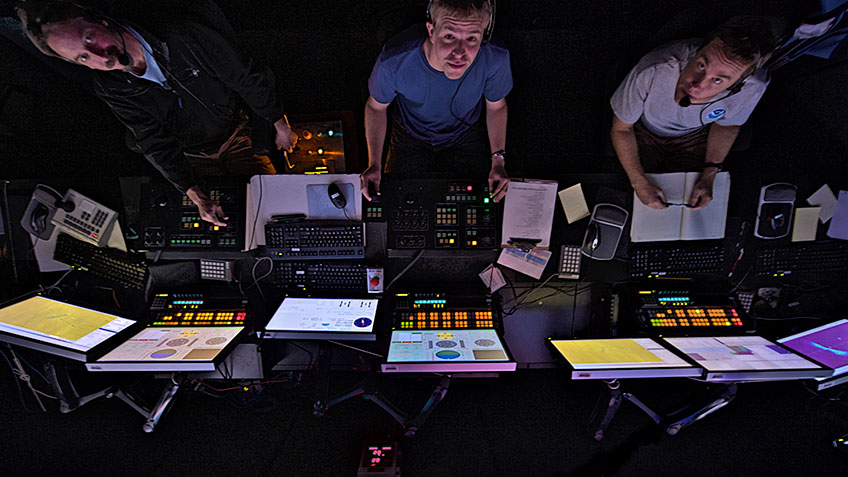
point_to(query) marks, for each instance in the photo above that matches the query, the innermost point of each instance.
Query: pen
(736, 262)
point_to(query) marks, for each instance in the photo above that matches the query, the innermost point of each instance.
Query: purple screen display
(827, 344)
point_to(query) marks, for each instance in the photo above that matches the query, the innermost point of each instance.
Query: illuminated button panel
(447, 239)
(190, 240)
(481, 238)
(431, 319)
(447, 214)
(215, 194)
(693, 317)
(200, 318)
(373, 211)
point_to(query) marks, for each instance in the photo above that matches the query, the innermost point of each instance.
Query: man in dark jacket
(176, 86)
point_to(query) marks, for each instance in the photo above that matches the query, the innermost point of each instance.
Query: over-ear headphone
(487, 33)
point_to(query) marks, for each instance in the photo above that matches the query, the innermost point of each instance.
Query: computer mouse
(593, 236)
(336, 196)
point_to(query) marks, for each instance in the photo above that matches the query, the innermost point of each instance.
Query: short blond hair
(462, 9)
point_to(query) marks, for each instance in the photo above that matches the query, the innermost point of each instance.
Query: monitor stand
(69, 399)
(671, 423)
(367, 388)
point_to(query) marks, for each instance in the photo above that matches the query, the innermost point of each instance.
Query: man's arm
(242, 75)
(719, 141)
(496, 126)
(624, 142)
(375, 137)
(161, 149)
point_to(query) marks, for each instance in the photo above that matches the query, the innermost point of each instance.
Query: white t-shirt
(647, 95)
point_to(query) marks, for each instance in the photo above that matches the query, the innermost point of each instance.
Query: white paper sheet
(529, 211)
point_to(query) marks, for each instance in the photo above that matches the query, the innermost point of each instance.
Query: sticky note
(806, 223)
(493, 278)
(573, 203)
(826, 200)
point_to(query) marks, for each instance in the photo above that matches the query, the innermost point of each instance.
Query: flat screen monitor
(746, 358)
(324, 318)
(828, 345)
(479, 350)
(173, 349)
(60, 328)
(623, 358)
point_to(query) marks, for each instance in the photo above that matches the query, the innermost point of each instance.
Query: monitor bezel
(691, 371)
(169, 366)
(92, 354)
(449, 366)
(736, 375)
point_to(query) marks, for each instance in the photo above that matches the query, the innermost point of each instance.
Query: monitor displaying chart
(54, 323)
(746, 357)
(323, 317)
(622, 358)
(170, 349)
(447, 350)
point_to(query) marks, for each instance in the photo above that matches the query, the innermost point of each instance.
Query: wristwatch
(719, 166)
(500, 153)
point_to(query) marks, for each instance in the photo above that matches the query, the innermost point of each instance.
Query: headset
(487, 33)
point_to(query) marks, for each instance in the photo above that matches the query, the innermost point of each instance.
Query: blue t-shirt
(430, 106)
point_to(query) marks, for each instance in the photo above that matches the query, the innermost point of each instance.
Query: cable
(408, 266)
(360, 350)
(17, 384)
(256, 216)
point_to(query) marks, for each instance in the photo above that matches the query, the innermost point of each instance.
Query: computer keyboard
(346, 276)
(803, 261)
(315, 240)
(675, 260)
(107, 263)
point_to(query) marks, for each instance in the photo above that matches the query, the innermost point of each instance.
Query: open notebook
(681, 223)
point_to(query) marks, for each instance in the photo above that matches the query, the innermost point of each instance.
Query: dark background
(567, 58)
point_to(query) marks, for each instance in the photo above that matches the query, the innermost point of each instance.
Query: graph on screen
(57, 323)
(739, 353)
(324, 315)
(826, 344)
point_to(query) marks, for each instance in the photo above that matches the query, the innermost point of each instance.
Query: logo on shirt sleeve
(716, 113)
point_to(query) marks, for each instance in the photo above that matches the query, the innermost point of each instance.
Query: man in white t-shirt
(682, 105)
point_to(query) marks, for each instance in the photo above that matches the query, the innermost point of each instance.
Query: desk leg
(164, 403)
(612, 409)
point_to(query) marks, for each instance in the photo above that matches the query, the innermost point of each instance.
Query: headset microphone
(685, 102)
(123, 58)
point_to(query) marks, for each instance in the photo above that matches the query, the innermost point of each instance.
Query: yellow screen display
(54, 318)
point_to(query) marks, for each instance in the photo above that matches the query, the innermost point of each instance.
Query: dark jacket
(208, 79)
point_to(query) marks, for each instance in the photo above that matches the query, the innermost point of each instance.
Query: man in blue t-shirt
(439, 80)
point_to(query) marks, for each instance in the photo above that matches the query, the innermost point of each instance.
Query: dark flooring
(567, 56)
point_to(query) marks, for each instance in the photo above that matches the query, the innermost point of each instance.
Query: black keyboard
(336, 276)
(315, 240)
(675, 261)
(108, 263)
(807, 261)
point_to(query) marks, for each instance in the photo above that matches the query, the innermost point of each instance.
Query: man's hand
(285, 138)
(498, 174)
(210, 210)
(702, 193)
(650, 195)
(371, 176)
